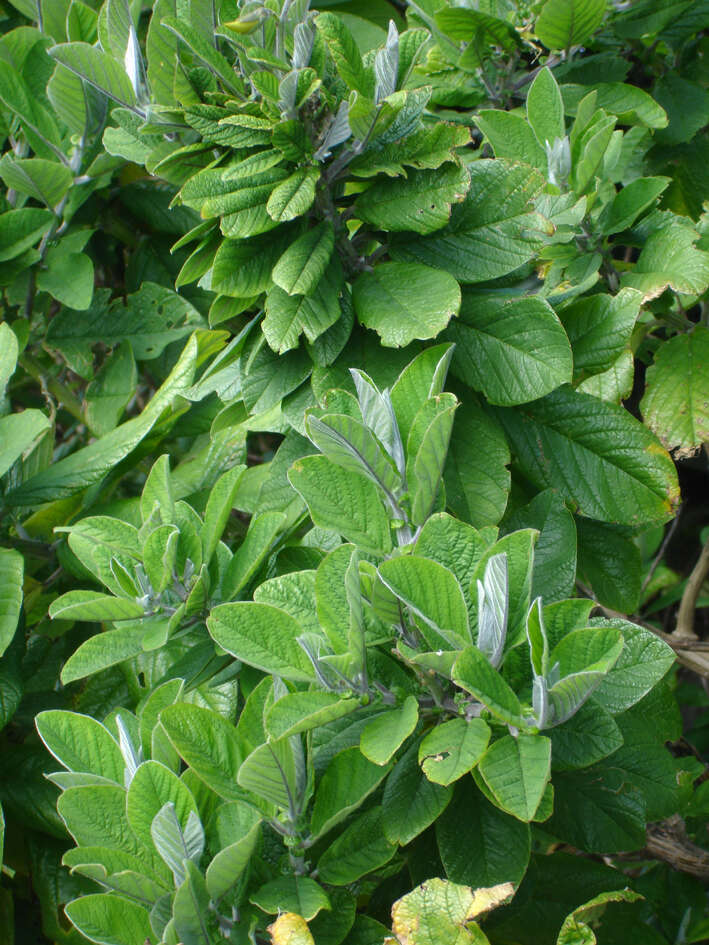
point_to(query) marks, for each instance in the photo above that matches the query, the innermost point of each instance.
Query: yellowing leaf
(290, 929)
(439, 911)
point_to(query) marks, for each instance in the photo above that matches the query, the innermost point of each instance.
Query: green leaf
(165, 76)
(81, 744)
(420, 202)
(91, 463)
(152, 787)
(98, 69)
(292, 197)
(597, 809)
(471, 823)
(289, 316)
(149, 319)
(252, 552)
(110, 920)
(434, 596)
(348, 780)
(476, 477)
(242, 268)
(554, 571)
(545, 108)
(473, 673)
(110, 392)
(411, 802)
(360, 849)
(208, 743)
(577, 931)
(37, 121)
(238, 827)
(405, 301)
(101, 651)
(566, 23)
(590, 735)
(676, 400)
(11, 577)
(452, 749)
(595, 455)
(19, 434)
(610, 562)
(302, 711)
(494, 231)
(516, 770)
(194, 922)
(92, 605)
(518, 547)
(262, 636)
(301, 267)
(46, 181)
(613, 385)
(346, 56)
(270, 773)
(513, 351)
(669, 259)
(645, 659)
(599, 328)
(204, 49)
(421, 379)
(583, 658)
(219, 508)
(21, 229)
(298, 894)
(511, 137)
(384, 735)
(630, 202)
(630, 104)
(427, 448)
(342, 501)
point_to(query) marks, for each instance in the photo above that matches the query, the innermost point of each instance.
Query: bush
(343, 574)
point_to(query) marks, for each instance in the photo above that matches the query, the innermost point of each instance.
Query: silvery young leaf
(386, 65)
(596, 455)
(172, 844)
(492, 609)
(350, 444)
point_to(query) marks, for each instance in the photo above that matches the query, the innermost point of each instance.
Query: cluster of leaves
(341, 356)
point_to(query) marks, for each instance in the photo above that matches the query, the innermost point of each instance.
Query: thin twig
(661, 551)
(685, 616)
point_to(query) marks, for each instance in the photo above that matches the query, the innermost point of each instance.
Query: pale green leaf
(343, 501)
(405, 301)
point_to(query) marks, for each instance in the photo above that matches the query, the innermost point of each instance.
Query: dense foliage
(354, 367)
